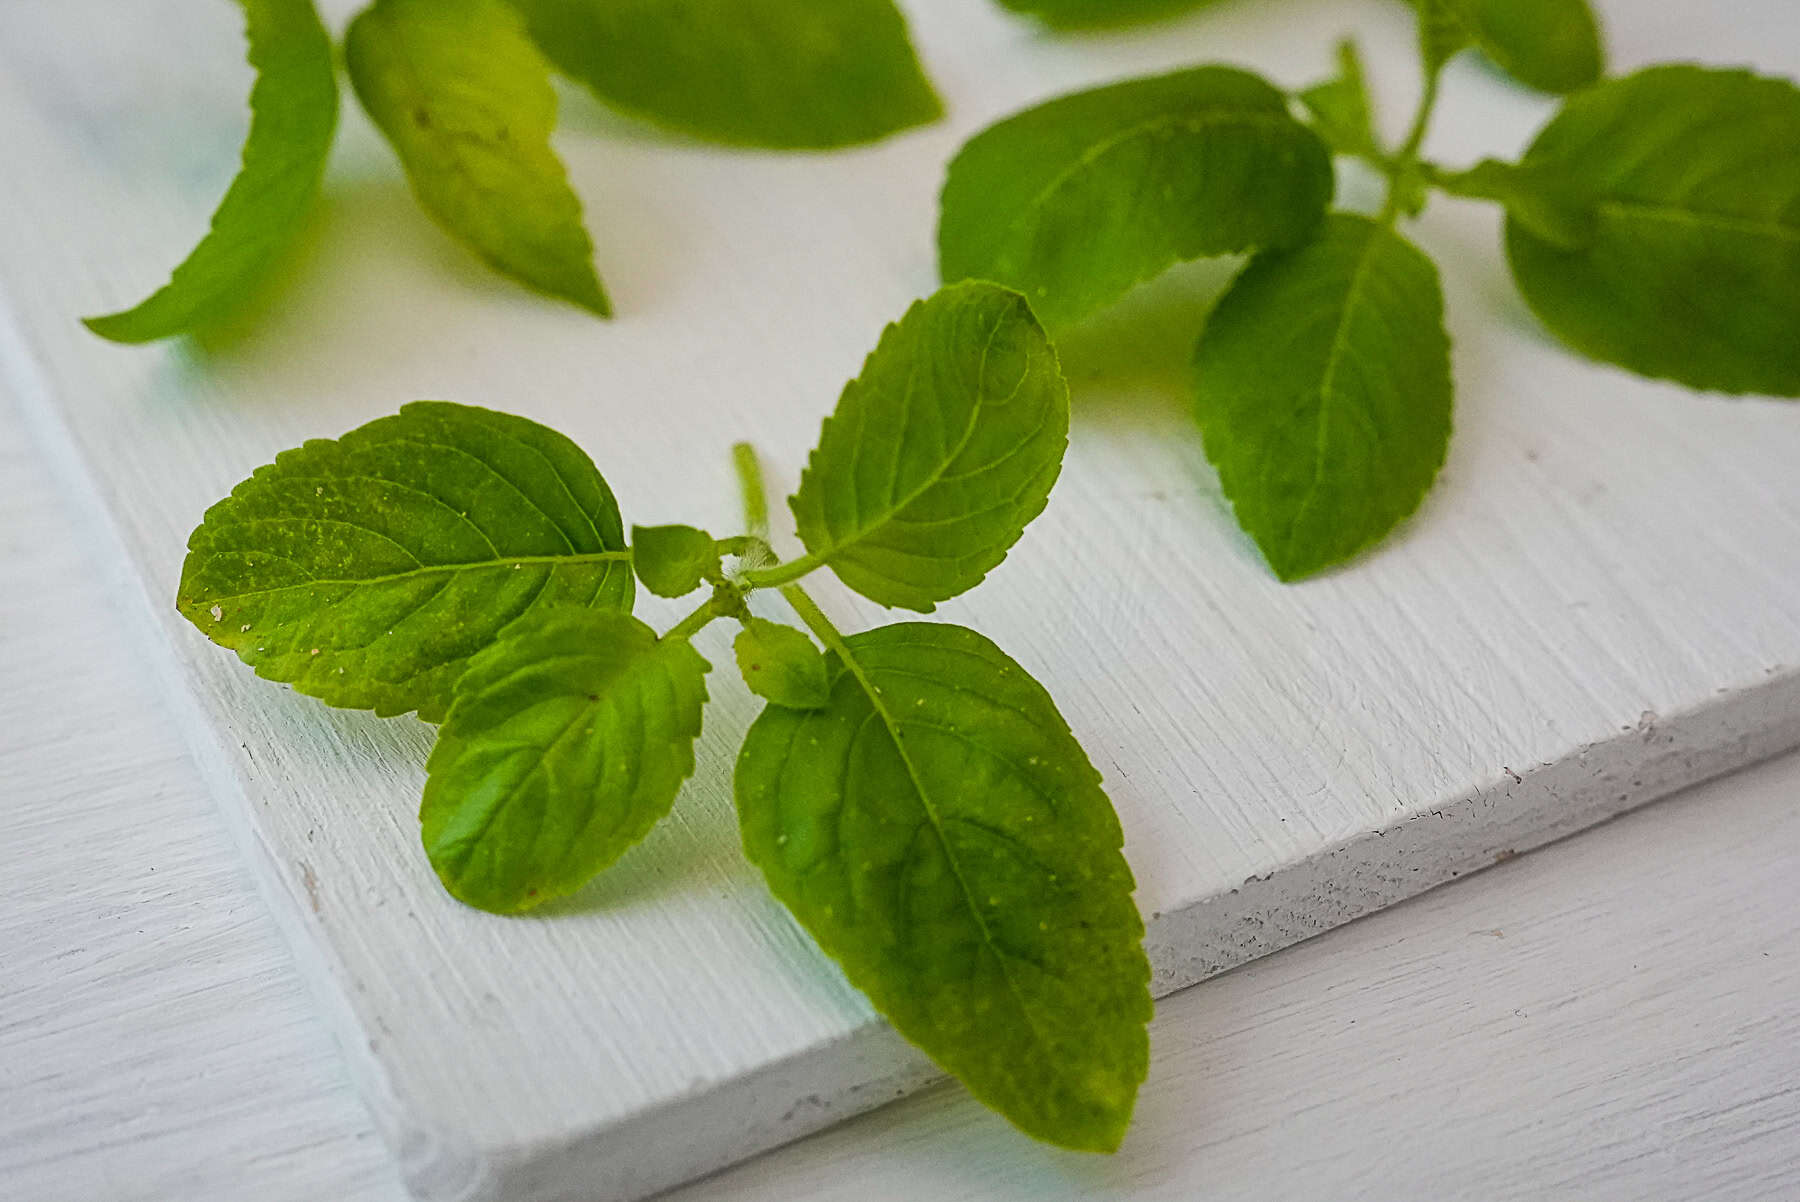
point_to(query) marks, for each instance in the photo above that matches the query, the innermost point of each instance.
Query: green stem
(816, 621)
(756, 516)
(778, 574)
(695, 622)
(750, 485)
(1458, 183)
(1415, 137)
(1403, 166)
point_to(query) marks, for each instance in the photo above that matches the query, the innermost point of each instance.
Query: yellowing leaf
(465, 99)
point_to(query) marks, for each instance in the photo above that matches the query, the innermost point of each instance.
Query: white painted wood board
(1598, 600)
(1617, 1016)
(155, 1042)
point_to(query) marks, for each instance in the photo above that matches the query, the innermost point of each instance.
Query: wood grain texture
(154, 1041)
(1595, 607)
(1617, 1016)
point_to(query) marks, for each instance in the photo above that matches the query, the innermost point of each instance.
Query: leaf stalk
(1403, 167)
(697, 621)
(816, 621)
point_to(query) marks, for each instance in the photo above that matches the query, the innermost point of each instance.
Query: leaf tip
(1293, 573)
(1107, 1140)
(1291, 564)
(116, 327)
(579, 286)
(930, 107)
(592, 297)
(511, 905)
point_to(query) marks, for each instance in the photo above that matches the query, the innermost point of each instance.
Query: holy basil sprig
(910, 792)
(461, 90)
(1654, 224)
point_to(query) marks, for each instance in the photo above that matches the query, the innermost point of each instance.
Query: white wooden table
(1580, 623)
(1617, 1016)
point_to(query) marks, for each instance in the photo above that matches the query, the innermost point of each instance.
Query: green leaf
(1324, 393)
(1075, 201)
(293, 113)
(781, 73)
(673, 561)
(1550, 45)
(568, 741)
(366, 571)
(941, 834)
(1692, 268)
(940, 453)
(781, 665)
(1445, 31)
(1340, 107)
(465, 99)
(1076, 14)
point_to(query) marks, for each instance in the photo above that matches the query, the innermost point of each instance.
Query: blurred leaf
(465, 100)
(782, 73)
(1690, 269)
(293, 114)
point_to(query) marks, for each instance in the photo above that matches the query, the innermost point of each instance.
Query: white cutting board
(1599, 603)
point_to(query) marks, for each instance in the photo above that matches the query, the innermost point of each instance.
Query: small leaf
(781, 73)
(1076, 14)
(1691, 269)
(942, 835)
(567, 742)
(1445, 31)
(1340, 107)
(1077, 200)
(781, 665)
(366, 571)
(465, 100)
(940, 453)
(1324, 393)
(293, 113)
(1550, 45)
(673, 561)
